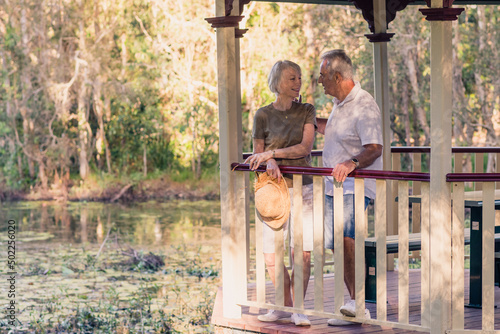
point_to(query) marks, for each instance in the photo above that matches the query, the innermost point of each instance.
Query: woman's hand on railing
(256, 159)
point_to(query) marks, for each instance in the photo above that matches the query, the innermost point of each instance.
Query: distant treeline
(130, 86)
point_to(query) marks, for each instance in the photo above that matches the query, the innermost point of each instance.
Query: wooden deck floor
(249, 323)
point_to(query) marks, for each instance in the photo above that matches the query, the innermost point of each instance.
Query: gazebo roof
(392, 7)
(366, 6)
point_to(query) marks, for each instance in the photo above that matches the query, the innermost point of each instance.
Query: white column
(381, 81)
(440, 207)
(232, 224)
(381, 76)
(242, 203)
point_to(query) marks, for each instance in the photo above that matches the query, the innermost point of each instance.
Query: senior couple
(283, 134)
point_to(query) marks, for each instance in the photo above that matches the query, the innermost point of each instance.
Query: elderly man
(353, 140)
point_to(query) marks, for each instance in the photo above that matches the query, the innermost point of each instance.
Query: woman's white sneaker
(273, 315)
(300, 319)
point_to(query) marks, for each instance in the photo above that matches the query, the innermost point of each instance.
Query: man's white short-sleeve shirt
(353, 123)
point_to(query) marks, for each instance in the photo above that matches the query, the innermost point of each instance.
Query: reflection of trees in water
(44, 217)
(169, 223)
(99, 230)
(83, 223)
(158, 233)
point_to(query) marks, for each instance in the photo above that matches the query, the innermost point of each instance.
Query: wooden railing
(484, 226)
(416, 159)
(380, 219)
(403, 181)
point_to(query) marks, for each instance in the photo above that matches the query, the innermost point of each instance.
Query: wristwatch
(355, 162)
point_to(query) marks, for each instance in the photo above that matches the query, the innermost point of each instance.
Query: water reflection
(151, 223)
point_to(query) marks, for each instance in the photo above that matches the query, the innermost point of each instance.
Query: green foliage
(117, 67)
(161, 153)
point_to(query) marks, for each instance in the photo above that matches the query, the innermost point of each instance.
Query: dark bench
(414, 244)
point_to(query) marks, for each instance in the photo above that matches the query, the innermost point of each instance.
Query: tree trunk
(10, 113)
(145, 160)
(459, 103)
(312, 52)
(83, 129)
(84, 134)
(107, 107)
(26, 90)
(406, 111)
(101, 145)
(42, 175)
(194, 148)
(198, 169)
(124, 56)
(20, 165)
(486, 100)
(419, 111)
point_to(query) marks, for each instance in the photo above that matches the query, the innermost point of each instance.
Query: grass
(157, 184)
(100, 185)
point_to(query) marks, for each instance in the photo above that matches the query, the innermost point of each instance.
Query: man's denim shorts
(349, 225)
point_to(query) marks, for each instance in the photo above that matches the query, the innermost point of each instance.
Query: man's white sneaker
(273, 315)
(300, 319)
(349, 309)
(340, 322)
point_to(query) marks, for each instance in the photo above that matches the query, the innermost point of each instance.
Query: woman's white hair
(338, 61)
(275, 76)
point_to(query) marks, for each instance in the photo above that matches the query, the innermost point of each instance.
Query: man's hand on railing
(343, 169)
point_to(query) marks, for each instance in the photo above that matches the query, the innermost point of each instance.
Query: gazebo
(442, 196)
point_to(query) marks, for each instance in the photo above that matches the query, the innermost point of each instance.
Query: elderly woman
(283, 133)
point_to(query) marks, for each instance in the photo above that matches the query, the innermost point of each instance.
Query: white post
(298, 242)
(440, 206)
(359, 201)
(241, 189)
(233, 251)
(488, 272)
(458, 261)
(381, 75)
(338, 244)
(319, 250)
(381, 82)
(380, 234)
(425, 263)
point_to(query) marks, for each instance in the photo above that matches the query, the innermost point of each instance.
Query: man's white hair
(338, 61)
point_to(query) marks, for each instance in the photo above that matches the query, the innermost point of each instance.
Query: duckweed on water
(71, 290)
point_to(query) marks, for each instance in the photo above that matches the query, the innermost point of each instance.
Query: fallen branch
(123, 191)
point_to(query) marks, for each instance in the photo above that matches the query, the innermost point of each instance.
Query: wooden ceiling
(447, 13)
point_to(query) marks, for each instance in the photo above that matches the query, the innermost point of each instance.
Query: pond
(149, 267)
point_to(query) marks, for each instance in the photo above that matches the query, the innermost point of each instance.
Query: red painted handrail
(457, 149)
(365, 173)
(473, 177)
(378, 174)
